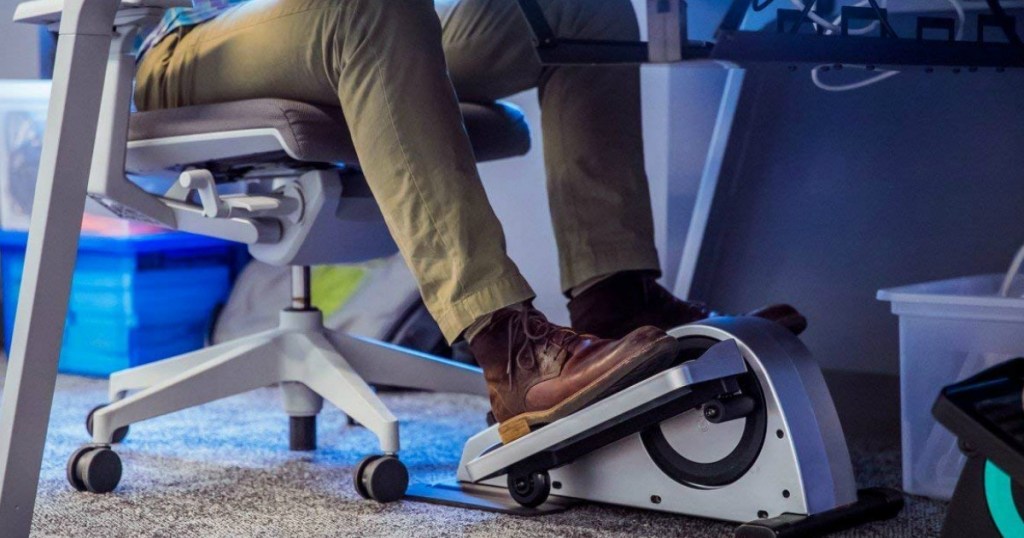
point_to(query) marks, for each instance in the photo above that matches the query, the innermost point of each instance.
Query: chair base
(309, 363)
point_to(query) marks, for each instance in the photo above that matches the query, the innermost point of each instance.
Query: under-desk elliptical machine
(743, 429)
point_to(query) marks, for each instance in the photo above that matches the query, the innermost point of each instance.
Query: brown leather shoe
(630, 299)
(538, 372)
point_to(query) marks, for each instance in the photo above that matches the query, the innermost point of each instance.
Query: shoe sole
(639, 368)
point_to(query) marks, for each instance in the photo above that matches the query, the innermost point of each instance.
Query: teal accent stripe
(999, 494)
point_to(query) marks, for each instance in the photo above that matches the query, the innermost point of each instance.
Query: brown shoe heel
(514, 428)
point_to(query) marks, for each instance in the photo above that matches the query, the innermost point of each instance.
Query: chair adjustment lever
(235, 205)
(202, 181)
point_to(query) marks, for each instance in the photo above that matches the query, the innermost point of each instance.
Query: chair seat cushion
(316, 133)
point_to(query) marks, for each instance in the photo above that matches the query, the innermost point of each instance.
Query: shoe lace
(533, 327)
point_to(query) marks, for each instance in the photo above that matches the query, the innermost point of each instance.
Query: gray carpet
(224, 470)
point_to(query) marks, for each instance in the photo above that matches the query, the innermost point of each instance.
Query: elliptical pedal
(625, 413)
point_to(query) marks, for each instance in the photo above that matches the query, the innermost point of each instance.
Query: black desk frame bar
(736, 47)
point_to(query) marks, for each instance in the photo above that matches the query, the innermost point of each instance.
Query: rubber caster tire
(381, 478)
(94, 468)
(531, 489)
(119, 434)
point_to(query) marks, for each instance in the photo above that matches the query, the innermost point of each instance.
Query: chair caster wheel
(94, 468)
(530, 489)
(119, 434)
(381, 478)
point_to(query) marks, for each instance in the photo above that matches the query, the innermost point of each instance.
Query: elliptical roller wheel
(529, 489)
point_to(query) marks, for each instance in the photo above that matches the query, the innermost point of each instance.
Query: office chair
(307, 204)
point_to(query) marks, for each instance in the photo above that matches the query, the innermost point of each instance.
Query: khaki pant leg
(591, 123)
(383, 61)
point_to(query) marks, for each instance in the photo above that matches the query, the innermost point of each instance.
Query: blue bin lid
(132, 244)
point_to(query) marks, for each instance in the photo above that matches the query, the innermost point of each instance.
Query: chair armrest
(48, 12)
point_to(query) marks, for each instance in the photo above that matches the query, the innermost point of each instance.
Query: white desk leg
(49, 262)
(709, 182)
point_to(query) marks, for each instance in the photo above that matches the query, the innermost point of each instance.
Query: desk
(50, 258)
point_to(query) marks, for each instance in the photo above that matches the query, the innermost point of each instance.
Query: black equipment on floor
(986, 412)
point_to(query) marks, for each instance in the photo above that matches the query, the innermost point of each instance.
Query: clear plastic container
(949, 330)
(23, 107)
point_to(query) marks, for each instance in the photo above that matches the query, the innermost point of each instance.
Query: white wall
(19, 45)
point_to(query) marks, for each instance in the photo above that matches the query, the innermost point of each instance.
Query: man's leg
(591, 120)
(593, 148)
(383, 61)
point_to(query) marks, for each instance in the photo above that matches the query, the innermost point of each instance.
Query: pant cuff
(455, 318)
(607, 262)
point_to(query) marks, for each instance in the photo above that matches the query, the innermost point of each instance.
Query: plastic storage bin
(949, 330)
(133, 299)
(23, 107)
(22, 122)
